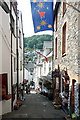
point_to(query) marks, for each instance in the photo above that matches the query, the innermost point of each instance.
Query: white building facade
(5, 60)
(43, 67)
(8, 52)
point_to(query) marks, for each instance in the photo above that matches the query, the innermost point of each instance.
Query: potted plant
(9, 96)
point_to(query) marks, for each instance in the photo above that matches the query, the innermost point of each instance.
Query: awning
(40, 79)
(47, 78)
(54, 73)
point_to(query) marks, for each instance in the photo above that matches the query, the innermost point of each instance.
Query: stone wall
(72, 57)
(77, 92)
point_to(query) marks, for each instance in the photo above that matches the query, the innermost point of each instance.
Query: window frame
(64, 8)
(3, 85)
(56, 48)
(12, 25)
(15, 64)
(64, 38)
(20, 39)
(56, 22)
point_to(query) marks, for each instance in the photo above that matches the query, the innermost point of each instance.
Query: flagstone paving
(36, 106)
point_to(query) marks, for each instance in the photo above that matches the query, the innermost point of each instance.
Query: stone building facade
(67, 47)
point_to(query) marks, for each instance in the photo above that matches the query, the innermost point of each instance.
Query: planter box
(7, 97)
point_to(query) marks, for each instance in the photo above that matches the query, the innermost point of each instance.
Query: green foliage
(30, 58)
(35, 41)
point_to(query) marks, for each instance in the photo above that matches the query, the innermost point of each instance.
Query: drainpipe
(23, 62)
(17, 51)
(11, 57)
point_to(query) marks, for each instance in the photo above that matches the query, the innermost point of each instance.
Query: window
(15, 6)
(20, 65)
(19, 38)
(49, 65)
(44, 67)
(62, 84)
(12, 25)
(56, 48)
(64, 39)
(3, 85)
(15, 64)
(56, 19)
(64, 8)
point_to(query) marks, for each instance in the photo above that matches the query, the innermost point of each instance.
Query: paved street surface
(37, 106)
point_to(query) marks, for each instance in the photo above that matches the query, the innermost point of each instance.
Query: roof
(50, 55)
(29, 65)
(47, 44)
(46, 78)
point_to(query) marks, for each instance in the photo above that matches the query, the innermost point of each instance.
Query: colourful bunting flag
(42, 14)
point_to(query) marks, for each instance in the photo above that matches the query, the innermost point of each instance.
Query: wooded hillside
(36, 41)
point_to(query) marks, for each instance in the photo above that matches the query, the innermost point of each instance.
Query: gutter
(11, 58)
(17, 51)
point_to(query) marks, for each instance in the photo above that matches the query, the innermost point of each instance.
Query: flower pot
(7, 97)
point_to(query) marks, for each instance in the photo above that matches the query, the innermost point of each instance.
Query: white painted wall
(27, 75)
(20, 49)
(5, 56)
(7, 106)
(5, 53)
(36, 75)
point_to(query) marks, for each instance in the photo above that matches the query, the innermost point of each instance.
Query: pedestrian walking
(26, 89)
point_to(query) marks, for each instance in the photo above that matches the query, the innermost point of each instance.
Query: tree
(36, 41)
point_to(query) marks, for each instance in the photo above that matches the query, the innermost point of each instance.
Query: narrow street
(36, 106)
(40, 59)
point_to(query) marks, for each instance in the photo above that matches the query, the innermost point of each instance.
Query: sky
(25, 7)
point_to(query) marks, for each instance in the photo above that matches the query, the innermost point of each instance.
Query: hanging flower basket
(7, 97)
